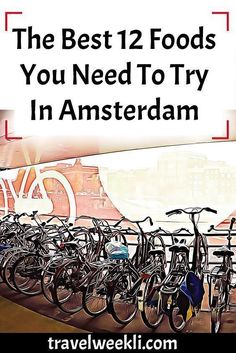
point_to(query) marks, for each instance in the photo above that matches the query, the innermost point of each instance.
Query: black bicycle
(150, 302)
(220, 280)
(180, 294)
(128, 276)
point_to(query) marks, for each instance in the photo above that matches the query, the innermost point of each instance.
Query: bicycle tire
(3, 257)
(67, 293)
(119, 309)
(47, 278)
(94, 299)
(217, 305)
(27, 274)
(177, 317)
(46, 284)
(7, 269)
(152, 313)
(172, 319)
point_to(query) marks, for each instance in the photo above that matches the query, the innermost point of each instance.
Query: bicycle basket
(117, 251)
(193, 288)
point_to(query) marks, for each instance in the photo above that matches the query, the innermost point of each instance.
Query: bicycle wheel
(7, 266)
(95, 294)
(69, 285)
(1, 259)
(218, 304)
(27, 274)
(3, 256)
(47, 278)
(152, 313)
(178, 313)
(122, 301)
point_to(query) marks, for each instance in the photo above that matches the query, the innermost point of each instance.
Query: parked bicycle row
(89, 267)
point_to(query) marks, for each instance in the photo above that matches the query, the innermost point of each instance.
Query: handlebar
(232, 223)
(18, 216)
(212, 227)
(192, 211)
(171, 213)
(84, 217)
(137, 222)
(177, 231)
(208, 209)
(7, 217)
(32, 215)
(59, 219)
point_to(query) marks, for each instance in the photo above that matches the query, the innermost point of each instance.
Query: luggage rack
(212, 259)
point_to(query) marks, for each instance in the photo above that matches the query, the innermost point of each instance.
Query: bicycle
(148, 298)
(129, 275)
(181, 293)
(220, 278)
(79, 239)
(51, 242)
(16, 234)
(70, 280)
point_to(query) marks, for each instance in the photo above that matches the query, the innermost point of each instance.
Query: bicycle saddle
(156, 252)
(223, 251)
(179, 246)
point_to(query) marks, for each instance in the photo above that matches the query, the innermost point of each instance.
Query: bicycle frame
(221, 278)
(196, 261)
(180, 268)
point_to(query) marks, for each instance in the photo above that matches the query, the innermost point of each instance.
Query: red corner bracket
(227, 133)
(7, 137)
(6, 17)
(226, 13)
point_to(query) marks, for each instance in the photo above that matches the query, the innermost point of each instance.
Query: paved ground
(17, 318)
(32, 314)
